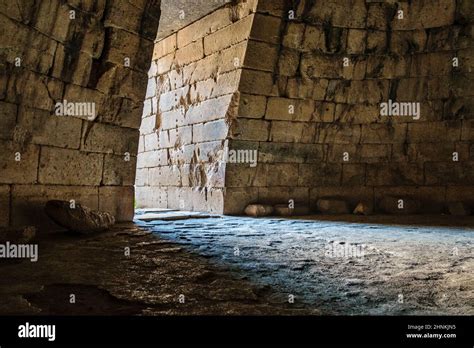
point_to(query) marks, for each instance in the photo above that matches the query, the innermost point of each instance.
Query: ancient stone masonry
(191, 110)
(350, 99)
(91, 57)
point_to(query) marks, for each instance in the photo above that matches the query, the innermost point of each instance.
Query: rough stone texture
(78, 218)
(316, 121)
(332, 206)
(191, 110)
(257, 210)
(99, 55)
(311, 108)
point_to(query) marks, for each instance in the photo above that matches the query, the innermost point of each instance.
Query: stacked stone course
(308, 100)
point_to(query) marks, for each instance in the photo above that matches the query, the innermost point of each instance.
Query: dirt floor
(231, 265)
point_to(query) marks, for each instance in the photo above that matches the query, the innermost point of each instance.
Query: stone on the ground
(20, 236)
(285, 210)
(257, 210)
(459, 209)
(79, 218)
(332, 206)
(364, 208)
(399, 205)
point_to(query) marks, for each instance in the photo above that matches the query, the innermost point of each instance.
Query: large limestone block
(78, 218)
(332, 206)
(119, 170)
(228, 36)
(19, 164)
(459, 209)
(70, 167)
(117, 200)
(104, 138)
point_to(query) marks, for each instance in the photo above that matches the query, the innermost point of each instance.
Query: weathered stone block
(315, 65)
(332, 206)
(408, 42)
(290, 153)
(190, 53)
(8, 114)
(69, 167)
(18, 163)
(256, 82)
(346, 13)
(119, 201)
(28, 202)
(253, 130)
(353, 174)
(368, 91)
(433, 131)
(228, 36)
(393, 174)
(266, 28)
(314, 39)
(356, 41)
(425, 15)
(205, 26)
(459, 209)
(46, 129)
(104, 138)
(282, 174)
(289, 109)
(314, 175)
(256, 50)
(287, 132)
(383, 133)
(209, 131)
(165, 46)
(151, 197)
(252, 106)
(119, 170)
(449, 173)
(338, 133)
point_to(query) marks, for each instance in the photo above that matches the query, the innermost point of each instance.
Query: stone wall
(190, 106)
(309, 101)
(321, 133)
(93, 51)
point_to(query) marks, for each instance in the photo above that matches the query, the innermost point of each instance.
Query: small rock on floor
(364, 208)
(257, 210)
